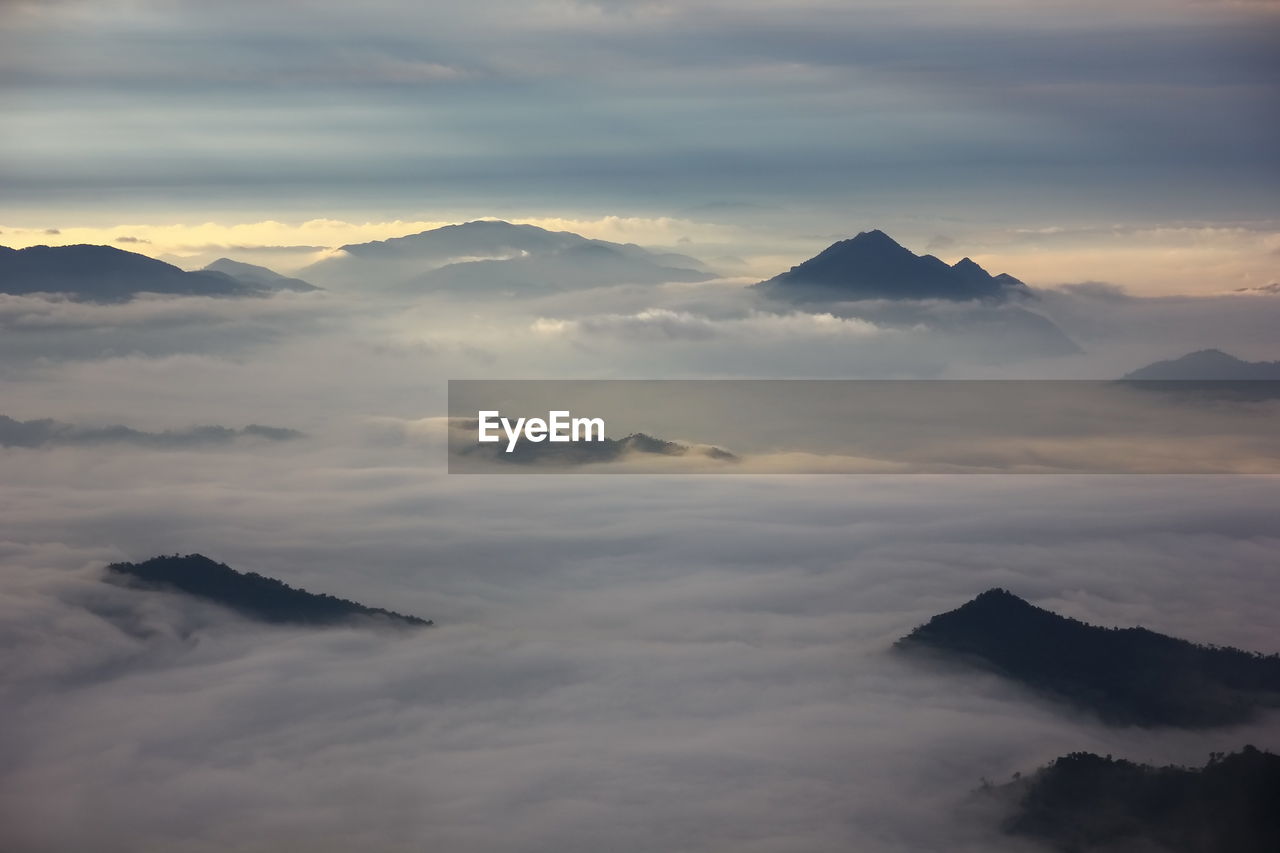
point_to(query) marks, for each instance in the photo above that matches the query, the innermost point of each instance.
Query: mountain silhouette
(250, 594)
(46, 432)
(1207, 365)
(105, 274)
(495, 256)
(1128, 676)
(1084, 802)
(873, 265)
(257, 277)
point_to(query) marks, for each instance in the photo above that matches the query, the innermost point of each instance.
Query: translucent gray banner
(862, 426)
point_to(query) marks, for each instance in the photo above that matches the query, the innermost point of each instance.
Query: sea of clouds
(631, 663)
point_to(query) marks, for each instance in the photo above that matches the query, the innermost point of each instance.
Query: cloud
(40, 328)
(665, 324)
(598, 646)
(1033, 112)
(1120, 328)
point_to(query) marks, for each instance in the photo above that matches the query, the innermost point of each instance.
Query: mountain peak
(257, 277)
(873, 237)
(994, 604)
(873, 265)
(998, 596)
(873, 241)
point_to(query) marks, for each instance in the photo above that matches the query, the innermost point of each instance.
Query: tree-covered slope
(1129, 676)
(254, 595)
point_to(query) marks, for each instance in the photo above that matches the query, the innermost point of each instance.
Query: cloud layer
(639, 663)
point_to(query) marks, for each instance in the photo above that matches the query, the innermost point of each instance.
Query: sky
(1129, 143)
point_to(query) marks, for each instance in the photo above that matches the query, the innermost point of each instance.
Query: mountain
(105, 274)
(873, 265)
(1128, 676)
(259, 278)
(496, 256)
(1206, 365)
(253, 595)
(1084, 802)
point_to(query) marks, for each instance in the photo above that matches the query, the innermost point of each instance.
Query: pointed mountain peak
(868, 247)
(873, 265)
(875, 236)
(874, 243)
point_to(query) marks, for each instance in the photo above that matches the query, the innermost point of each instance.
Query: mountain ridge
(872, 265)
(250, 594)
(1127, 676)
(105, 274)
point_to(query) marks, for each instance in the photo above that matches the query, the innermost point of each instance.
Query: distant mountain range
(1207, 365)
(494, 257)
(490, 256)
(262, 598)
(1084, 802)
(873, 265)
(108, 274)
(1128, 676)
